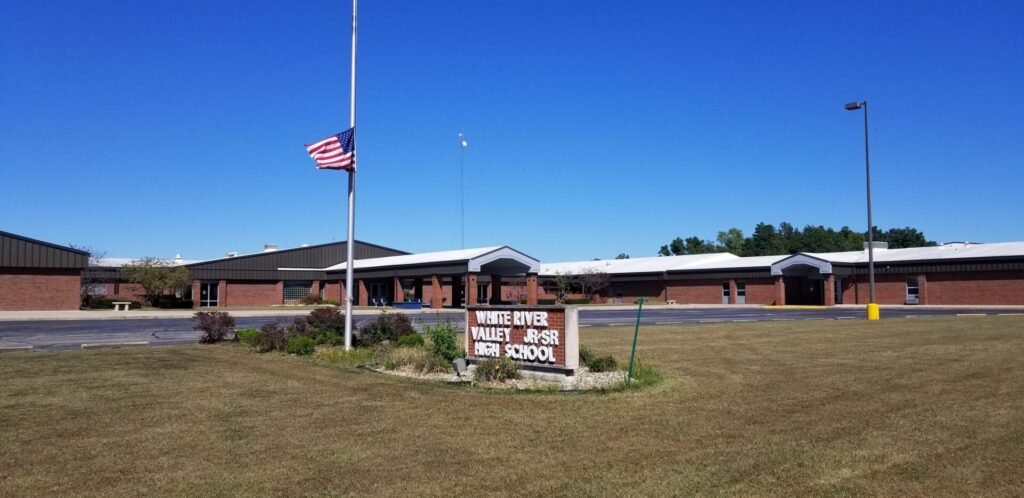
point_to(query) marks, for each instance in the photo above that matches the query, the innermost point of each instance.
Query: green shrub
(417, 359)
(174, 303)
(581, 300)
(411, 341)
(442, 340)
(327, 336)
(247, 335)
(337, 355)
(216, 325)
(311, 299)
(605, 363)
(596, 363)
(272, 337)
(387, 327)
(301, 345)
(332, 302)
(585, 355)
(326, 318)
(496, 370)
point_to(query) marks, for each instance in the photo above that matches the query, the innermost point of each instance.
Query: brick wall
(760, 291)
(889, 289)
(39, 289)
(446, 293)
(976, 288)
(696, 291)
(241, 293)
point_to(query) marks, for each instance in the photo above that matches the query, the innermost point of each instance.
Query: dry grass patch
(898, 407)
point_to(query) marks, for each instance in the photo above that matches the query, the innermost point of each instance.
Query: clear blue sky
(155, 128)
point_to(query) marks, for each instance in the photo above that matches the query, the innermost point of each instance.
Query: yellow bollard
(873, 313)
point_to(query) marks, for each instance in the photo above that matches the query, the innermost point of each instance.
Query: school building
(42, 276)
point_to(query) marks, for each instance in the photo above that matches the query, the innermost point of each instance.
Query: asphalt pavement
(72, 334)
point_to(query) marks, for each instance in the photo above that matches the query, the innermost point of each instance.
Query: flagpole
(351, 193)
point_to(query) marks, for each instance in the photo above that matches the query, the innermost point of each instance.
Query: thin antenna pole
(351, 192)
(462, 189)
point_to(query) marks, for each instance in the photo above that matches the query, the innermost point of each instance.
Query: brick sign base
(543, 338)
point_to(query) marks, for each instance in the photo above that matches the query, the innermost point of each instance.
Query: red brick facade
(244, 293)
(975, 288)
(24, 289)
(695, 291)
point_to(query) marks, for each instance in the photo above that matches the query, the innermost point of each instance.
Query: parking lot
(72, 334)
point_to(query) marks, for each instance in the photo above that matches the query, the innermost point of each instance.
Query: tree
(91, 285)
(732, 240)
(694, 245)
(562, 285)
(767, 240)
(592, 281)
(157, 277)
(622, 255)
(899, 238)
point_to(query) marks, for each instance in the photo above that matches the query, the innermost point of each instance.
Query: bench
(117, 305)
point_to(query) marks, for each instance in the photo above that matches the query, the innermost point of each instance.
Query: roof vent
(305, 245)
(177, 259)
(878, 245)
(269, 247)
(232, 254)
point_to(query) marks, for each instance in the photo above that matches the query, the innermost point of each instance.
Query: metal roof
(473, 258)
(18, 251)
(658, 264)
(747, 262)
(952, 251)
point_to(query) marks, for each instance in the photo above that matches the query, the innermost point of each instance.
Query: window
(741, 288)
(295, 290)
(725, 289)
(913, 291)
(839, 290)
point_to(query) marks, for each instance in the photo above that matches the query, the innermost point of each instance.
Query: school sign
(542, 338)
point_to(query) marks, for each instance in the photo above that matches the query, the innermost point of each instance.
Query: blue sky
(155, 128)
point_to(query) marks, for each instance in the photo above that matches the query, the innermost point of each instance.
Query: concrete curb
(115, 345)
(16, 349)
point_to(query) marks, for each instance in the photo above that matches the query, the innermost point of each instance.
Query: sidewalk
(15, 316)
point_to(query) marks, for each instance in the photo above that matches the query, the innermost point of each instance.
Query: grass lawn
(898, 407)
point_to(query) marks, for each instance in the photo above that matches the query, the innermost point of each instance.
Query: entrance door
(741, 292)
(208, 294)
(725, 292)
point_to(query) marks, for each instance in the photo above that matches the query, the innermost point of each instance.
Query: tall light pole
(462, 188)
(872, 306)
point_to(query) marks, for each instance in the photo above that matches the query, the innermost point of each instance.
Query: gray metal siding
(22, 252)
(264, 266)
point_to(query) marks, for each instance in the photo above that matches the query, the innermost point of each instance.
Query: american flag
(335, 152)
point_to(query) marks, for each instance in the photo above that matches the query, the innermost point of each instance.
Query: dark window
(912, 287)
(295, 290)
(725, 289)
(741, 289)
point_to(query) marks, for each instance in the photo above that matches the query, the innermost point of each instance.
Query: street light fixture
(872, 306)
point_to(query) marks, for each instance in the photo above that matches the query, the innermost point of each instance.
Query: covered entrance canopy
(804, 279)
(445, 278)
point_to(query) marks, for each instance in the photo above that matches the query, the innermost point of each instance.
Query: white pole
(462, 191)
(351, 195)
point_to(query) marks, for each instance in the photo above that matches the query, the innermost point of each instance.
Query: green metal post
(636, 332)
